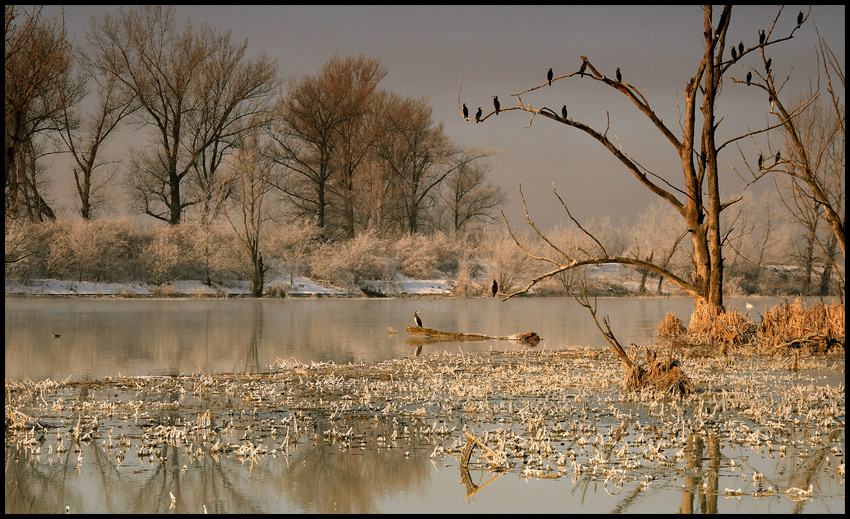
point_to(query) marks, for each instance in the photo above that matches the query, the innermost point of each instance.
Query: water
(103, 337)
(135, 337)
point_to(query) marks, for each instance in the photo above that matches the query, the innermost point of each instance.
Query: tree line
(332, 146)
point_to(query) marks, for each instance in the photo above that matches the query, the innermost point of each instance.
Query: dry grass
(670, 326)
(727, 328)
(795, 325)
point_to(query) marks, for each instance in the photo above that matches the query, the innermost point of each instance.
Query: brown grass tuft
(727, 328)
(796, 325)
(670, 326)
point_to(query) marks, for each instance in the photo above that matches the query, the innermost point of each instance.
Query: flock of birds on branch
(736, 53)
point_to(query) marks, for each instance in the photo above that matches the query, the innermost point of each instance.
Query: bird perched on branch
(777, 155)
(564, 111)
(496, 104)
(741, 48)
(549, 76)
(495, 288)
(734, 54)
(761, 37)
(761, 160)
(478, 116)
(619, 76)
(800, 19)
(416, 319)
(767, 65)
(465, 111)
(749, 77)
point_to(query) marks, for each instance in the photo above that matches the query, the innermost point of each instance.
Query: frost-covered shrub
(347, 263)
(428, 256)
(292, 243)
(161, 255)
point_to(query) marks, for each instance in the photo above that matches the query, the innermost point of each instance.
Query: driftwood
(662, 374)
(530, 338)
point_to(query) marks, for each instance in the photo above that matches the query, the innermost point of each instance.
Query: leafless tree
(250, 209)
(468, 197)
(311, 122)
(38, 64)
(700, 203)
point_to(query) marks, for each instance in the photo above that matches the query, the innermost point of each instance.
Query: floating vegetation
(536, 413)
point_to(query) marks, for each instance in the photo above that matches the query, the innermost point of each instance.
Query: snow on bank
(300, 287)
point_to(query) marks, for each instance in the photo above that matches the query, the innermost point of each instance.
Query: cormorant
(741, 48)
(56, 336)
(416, 319)
(549, 76)
(465, 111)
(767, 65)
(619, 76)
(583, 68)
(495, 288)
(478, 116)
(761, 160)
(749, 77)
(777, 155)
(564, 111)
(761, 37)
(734, 54)
(496, 104)
(800, 19)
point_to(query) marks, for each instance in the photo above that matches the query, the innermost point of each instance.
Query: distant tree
(293, 242)
(312, 120)
(38, 65)
(700, 203)
(468, 197)
(659, 233)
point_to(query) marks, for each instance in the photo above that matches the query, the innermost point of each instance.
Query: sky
(503, 50)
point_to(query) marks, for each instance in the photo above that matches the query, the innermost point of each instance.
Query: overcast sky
(504, 50)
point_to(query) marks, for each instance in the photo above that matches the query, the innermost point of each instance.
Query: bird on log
(416, 319)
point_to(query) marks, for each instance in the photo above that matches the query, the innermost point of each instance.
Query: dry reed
(671, 326)
(725, 328)
(796, 325)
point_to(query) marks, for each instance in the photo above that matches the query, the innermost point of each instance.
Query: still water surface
(136, 337)
(102, 337)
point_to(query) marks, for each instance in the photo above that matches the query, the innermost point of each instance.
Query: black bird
(800, 19)
(56, 336)
(583, 68)
(416, 319)
(741, 48)
(465, 111)
(749, 77)
(761, 37)
(549, 76)
(767, 65)
(777, 155)
(478, 116)
(564, 111)
(761, 160)
(619, 76)
(495, 288)
(734, 53)
(496, 104)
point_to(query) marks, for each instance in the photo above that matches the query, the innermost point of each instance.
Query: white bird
(749, 305)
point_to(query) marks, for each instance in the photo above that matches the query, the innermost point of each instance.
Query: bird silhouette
(416, 319)
(478, 116)
(767, 65)
(761, 160)
(564, 111)
(495, 288)
(749, 77)
(496, 104)
(734, 53)
(56, 335)
(619, 76)
(777, 155)
(549, 76)
(465, 111)
(761, 37)
(583, 68)
(741, 48)
(800, 19)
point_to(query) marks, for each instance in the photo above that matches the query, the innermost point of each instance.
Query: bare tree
(700, 203)
(469, 197)
(308, 124)
(250, 210)
(38, 64)
(84, 139)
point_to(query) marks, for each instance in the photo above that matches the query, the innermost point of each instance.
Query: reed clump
(797, 326)
(724, 328)
(670, 327)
